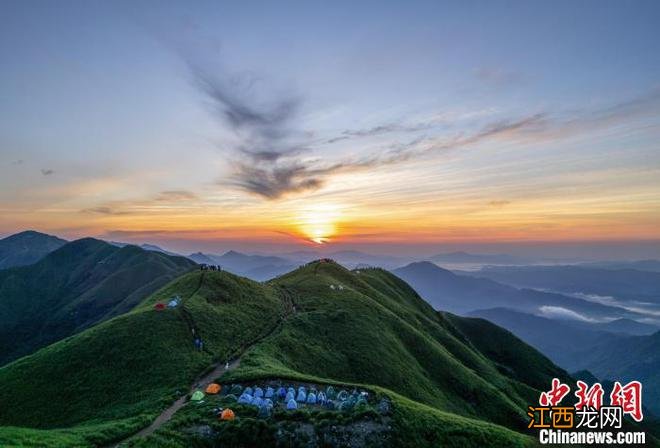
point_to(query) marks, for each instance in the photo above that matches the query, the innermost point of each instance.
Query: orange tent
(227, 414)
(213, 388)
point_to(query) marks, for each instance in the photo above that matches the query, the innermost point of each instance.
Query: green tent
(197, 396)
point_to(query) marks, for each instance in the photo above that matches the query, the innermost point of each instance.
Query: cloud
(118, 208)
(290, 175)
(264, 125)
(17, 162)
(175, 196)
(380, 130)
(499, 203)
(47, 171)
(105, 211)
(272, 158)
(558, 312)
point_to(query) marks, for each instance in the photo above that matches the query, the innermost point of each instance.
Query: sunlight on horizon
(318, 223)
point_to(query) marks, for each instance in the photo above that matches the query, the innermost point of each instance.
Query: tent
(320, 398)
(245, 399)
(159, 306)
(270, 392)
(268, 402)
(291, 404)
(258, 392)
(236, 389)
(198, 395)
(248, 390)
(281, 393)
(311, 398)
(213, 388)
(289, 396)
(227, 414)
(257, 401)
(302, 396)
(173, 303)
(342, 395)
(330, 393)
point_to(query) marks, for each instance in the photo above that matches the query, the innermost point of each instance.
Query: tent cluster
(339, 287)
(290, 398)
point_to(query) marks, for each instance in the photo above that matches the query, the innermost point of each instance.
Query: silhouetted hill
(27, 248)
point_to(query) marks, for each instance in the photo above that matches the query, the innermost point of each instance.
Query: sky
(394, 127)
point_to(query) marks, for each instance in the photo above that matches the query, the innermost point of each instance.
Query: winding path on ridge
(218, 369)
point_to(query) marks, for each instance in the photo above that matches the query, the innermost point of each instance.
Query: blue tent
(289, 396)
(302, 389)
(342, 395)
(248, 390)
(320, 398)
(291, 404)
(258, 392)
(257, 401)
(302, 396)
(268, 402)
(292, 390)
(330, 405)
(311, 398)
(281, 393)
(269, 392)
(245, 398)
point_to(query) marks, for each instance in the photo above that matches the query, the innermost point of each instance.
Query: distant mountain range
(640, 265)
(461, 294)
(467, 258)
(81, 283)
(604, 349)
(255, 267)
(26, 248)
(606, 285)
(265, 267)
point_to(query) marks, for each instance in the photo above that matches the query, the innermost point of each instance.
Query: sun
(319, 222)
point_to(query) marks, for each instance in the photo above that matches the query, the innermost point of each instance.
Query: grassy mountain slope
(134, 364)
(26, 248)
(447, 385)
(377, 330)
(81, 283)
